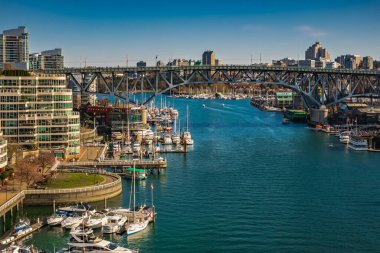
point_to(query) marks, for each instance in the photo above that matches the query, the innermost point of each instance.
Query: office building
(316, 52)
(37, 112)
(14, 49)
(208, 58)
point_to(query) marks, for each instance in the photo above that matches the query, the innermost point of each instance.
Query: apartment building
(37, 112)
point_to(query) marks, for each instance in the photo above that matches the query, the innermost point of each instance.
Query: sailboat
(139, 223)
(186, 136)
(176, 139)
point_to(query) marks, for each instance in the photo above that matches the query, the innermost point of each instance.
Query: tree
(27, 170)
(45, 161)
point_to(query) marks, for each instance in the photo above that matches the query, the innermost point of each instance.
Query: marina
(199, 179)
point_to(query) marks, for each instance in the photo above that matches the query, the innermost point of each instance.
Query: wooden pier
(5, 242)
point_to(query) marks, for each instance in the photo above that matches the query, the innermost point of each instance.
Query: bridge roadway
(209, 68)
(155, 164)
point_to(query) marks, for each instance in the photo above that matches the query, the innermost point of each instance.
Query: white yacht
(72, 222)
(115, 224)
(78, 208)
(176, 139)
(167, 139)
(86, 241)
(344, 137)
(96, 221)
(137, 226)
(358, 144)
(56, 219)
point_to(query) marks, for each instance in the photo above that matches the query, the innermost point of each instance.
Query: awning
(136, 170)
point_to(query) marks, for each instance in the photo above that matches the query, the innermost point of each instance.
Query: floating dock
(4, 243)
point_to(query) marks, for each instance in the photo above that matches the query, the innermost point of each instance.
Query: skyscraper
(208, 58)
(14, 49)
(316, 52)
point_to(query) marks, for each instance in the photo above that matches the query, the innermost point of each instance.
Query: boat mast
(187, 118)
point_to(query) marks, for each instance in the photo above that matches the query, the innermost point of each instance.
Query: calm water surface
(252, 184)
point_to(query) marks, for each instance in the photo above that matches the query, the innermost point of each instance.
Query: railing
(112, 163)
(208, 67)
(79, 190)
(21, 195)
(12, 201)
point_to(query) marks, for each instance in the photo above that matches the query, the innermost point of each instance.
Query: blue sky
(106, 33)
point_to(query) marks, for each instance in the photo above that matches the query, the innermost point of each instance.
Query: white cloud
(311, 31)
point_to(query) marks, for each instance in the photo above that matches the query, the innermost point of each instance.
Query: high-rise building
(49, 59)
(35, 61)
(367, 62)
(317, 52)
(350, 61)
(14, 49)
(52, 59)
(37, 112)
(218, 62)
(208, 58)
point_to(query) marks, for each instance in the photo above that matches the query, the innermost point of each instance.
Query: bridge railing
(210, 67)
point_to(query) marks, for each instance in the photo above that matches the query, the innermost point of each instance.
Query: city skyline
(104, 35)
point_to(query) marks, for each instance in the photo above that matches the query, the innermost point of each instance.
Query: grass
(73, 180)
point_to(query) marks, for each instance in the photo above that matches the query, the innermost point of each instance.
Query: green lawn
(73, 180)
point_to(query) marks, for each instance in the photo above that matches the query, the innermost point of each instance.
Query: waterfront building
(208, 58)
(36, 113)
(141, 64)
(119, 117)
(3, 152)
(284, 99)
(316, 51)
(14, 49)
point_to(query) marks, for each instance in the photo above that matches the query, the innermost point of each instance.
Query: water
(252, 184)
